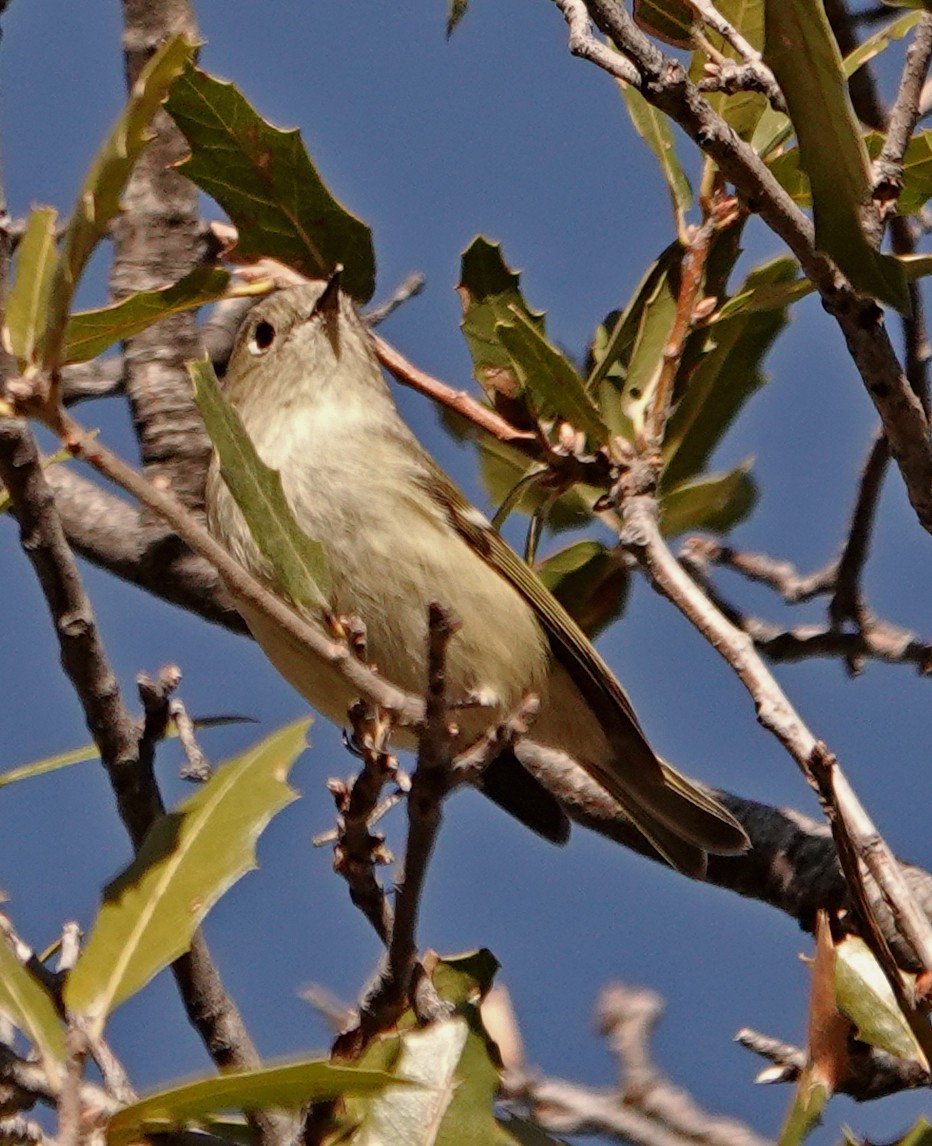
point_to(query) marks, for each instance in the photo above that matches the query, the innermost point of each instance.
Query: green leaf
(741, 110)
(879, 42)
(90, 332)
(925, 5)
(503, 468)
(298, 560)
(189, 859)
(802, 52)
(28, 1006)
(655, 318)
(917, 170)
(805, 1113)
(670, 20)
(716, 503)
(549, 377)
(265, 181)
(590, 581)
(99, 199)
(50, 764)
(919, 1135)
(526, 1133)
(863, 993)
(288, 1087)
(654, 128)
(726, 374)
(490, 293)
(28, 298)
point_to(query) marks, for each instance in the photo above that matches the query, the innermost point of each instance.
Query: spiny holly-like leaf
(286, 1087)
(298, 560)
(188, 860)
(27, 1005)
(589, 581)
(803, 54)
(670, 20)
(99, 199)
(35, 265)
(726, 374)
(490, 293)
(716, 502)
(866, 997)
(654, 128)
(265, 181)
(90, 332)
(549, 377)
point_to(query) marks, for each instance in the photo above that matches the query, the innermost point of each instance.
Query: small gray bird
(397, 534)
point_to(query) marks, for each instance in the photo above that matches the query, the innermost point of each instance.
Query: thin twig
(904, 115)
(408, 289)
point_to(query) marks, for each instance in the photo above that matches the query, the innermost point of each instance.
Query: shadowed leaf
(265, 181)
(490, 293)
(590, 582)
(879, 42)
(99, 199)
(189, 859)
(802, 52)
(91, 332)
(669, 20)
(297, 559)
(717, 503)
(286, 1087)
(28, 298)
(726, 375)
(28, 1006)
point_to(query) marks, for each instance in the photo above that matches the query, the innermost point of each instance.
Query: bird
(397, 535)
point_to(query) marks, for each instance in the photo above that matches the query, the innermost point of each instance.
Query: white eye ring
(262, 337)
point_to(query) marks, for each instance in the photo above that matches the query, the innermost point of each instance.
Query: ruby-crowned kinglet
(397, 534)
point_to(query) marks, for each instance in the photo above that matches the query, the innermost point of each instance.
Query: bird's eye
(262, 337)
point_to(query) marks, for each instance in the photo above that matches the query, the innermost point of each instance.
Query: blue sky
(499, 132)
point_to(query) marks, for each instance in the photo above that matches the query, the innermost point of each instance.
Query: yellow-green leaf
(864, 994)
(27, 1005)
(265, 181)
(803, 54)
(90, 332)
(188, 860)
(297, 559)
(99, 199)
(590, 581)
(35, 265)
(880, 41)
(654, 128)
(670, 20)
(291, 1086)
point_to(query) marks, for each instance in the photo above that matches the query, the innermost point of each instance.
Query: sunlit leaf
(716, 503)
(654, 128)
(28, 298)
(288, 1087)
(919, 1135)
(189, 859)
(298, 560)
(99, 199)
(803, 54)
(265, 181)
(879, 42)
(742, 110)
(28, 1006)
(91, 332)
(490, 293)
(549, 377)
(866, 997)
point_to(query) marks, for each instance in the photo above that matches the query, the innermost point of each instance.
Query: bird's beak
(327, 308)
